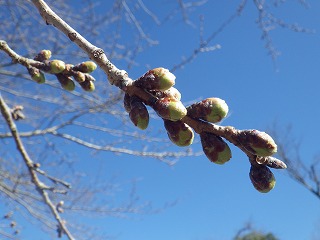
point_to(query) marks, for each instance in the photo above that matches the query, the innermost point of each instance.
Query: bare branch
(40, 187)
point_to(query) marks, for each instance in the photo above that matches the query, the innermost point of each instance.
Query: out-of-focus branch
(306, 175)
(39, 185)
(204, 45)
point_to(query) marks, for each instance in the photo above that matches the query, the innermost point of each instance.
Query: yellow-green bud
(156, 79)
(262, 178)
(87, 86)
(215, 148)
(56, 66)
(179, 133)
(66, 82)
(170, 109)
(79, 76)
(36, 75)
(258, 143)
(43, 55)
(211, 109)
(85, 67)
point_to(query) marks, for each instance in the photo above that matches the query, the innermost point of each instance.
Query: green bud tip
(210, 109)
(46, 54)
(36, 75)
(262, 178)
(165, 78)
(170, 109)
(258, 143)
(88, 67)
(139, 114)
(57, 66)
(179, 133)
(215, 148)
(88, 86)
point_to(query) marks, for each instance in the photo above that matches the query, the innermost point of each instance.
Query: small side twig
(39, 185)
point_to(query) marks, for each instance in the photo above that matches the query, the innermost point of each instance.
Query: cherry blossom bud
(36, 75)
(56, 66)
(215, 148)
(87, 85)
(258, 143)
(170, 109)
(43, 55)
(79, 76)
(262, 178)
(138, 114)
(66, 82)
(210, 109)
(156, 79)
(127, 102)
(179, 133)
(271, 162)
(85, 67)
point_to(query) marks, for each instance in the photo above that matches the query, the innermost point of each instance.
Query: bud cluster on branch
(180, 123)
(155, 89)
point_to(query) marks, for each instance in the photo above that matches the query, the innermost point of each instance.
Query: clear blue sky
(214, 201)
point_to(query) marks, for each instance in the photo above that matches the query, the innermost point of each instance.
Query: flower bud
(87, 85)
(215, 148)
(156, 79)
(170, 109)
(138, 114)
(258, 143)
(262, 178)
(85, 67)
(66, 82)
(43, 55)
(179, 133)
(170, 93)
(56, 66)
(79, 76)
(36, 75)
(211, 109)
(127, 102)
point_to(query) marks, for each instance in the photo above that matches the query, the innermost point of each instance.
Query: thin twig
(39, 185)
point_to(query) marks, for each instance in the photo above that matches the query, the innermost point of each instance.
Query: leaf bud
(85, 67)
(215, 148)
(262, 178)
(257, 143)
(271, 162)
(36, 75)
(179, 133)
(43, 55)
(138, 114)
(56, 66)
(156, 79)
(210, 109)
(66, 82)
(170, 109)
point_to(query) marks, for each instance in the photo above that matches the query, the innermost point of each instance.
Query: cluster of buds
(66, 74)
(259, 146)
(262, 146)
(159, 83)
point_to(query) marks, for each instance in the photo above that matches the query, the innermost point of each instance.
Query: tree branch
(39, 185)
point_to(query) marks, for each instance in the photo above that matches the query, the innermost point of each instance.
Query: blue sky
(212, 201)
